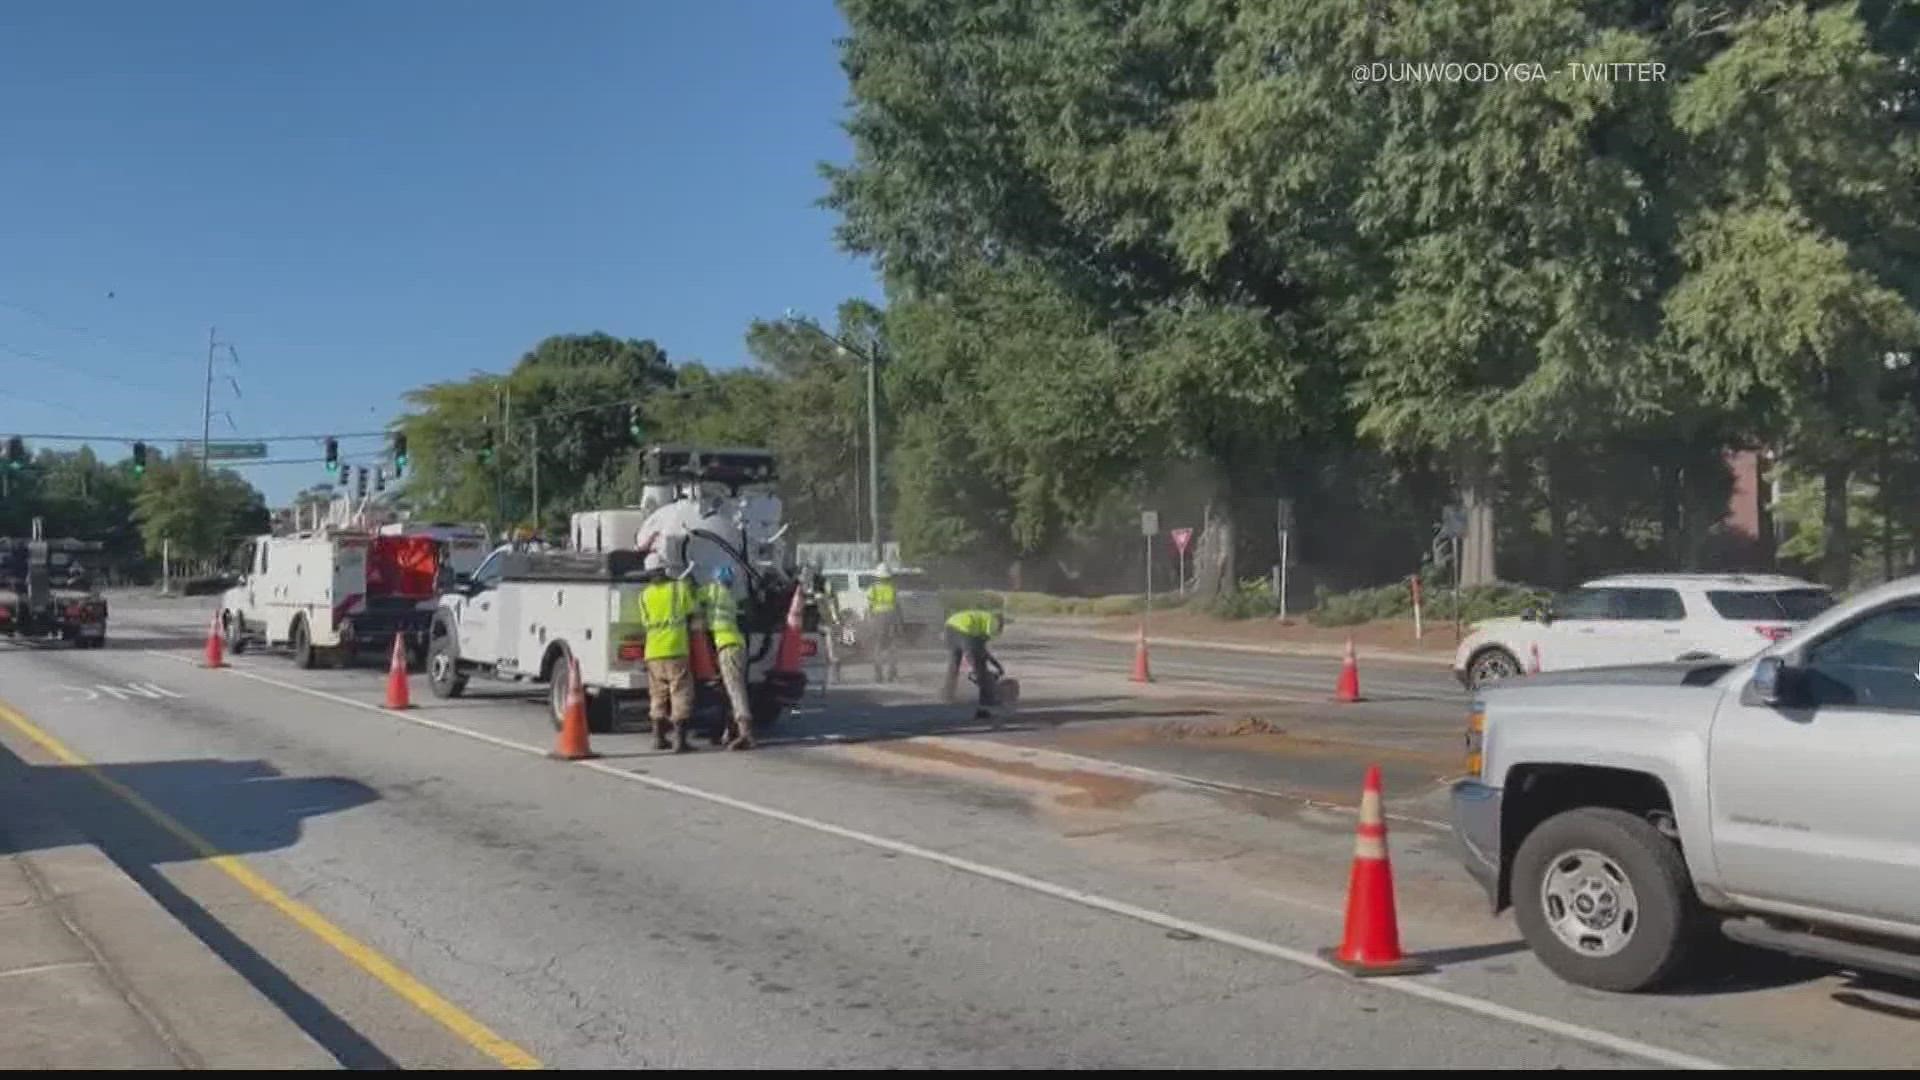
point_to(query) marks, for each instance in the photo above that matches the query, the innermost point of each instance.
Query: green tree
(200, 514)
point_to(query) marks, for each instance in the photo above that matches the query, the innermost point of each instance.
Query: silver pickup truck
(1625, 813)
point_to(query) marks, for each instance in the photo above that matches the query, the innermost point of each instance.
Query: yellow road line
(449, 1015)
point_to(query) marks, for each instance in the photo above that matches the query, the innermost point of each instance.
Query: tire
(1614, 861)
(304, 655)
(603, 710)
(234, 629)
(556, 676)
(444, 676)
(1491, 665)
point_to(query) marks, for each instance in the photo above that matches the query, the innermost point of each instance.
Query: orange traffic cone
(1533, 662)
(216, 648)
(1140, 671)
(1348, 688)
(786, 661)
(1371, 944)
(398, 696)
(706, 666)
(572, 743)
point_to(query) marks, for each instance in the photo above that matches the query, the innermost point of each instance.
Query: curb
(205, 1012)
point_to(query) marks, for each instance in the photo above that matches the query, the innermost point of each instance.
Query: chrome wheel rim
(1589, 903)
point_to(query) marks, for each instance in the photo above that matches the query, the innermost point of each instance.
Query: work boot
(744, 740)
(720, 735)
(982, 714)
(680, 744)
(660, 735)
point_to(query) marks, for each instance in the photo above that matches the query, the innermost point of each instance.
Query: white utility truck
(700, 509)
(526, 616)
(328, 594)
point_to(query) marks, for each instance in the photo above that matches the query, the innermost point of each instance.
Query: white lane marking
(1412, 987)
(89, 695)
(150, 691)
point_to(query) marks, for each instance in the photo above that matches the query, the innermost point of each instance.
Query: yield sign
(1182, 539)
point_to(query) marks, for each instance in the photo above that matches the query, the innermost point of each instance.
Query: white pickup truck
(523, 616)
(1623, 812)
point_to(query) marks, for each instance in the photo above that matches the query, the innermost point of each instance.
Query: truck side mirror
(1775, 682)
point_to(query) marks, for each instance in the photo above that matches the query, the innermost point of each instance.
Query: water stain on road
(1088, 790)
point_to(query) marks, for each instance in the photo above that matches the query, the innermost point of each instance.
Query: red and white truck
(330, 594)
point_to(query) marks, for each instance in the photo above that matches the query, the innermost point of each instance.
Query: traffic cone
(1533, 662)
(786, 661)
(1140, 671)
(572, 745)
(1371, 944)
(1348, 688)
(216, 647)
(398, 696)
(706, 666)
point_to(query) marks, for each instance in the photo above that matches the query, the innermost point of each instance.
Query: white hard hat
(655, 561)
(883, 570)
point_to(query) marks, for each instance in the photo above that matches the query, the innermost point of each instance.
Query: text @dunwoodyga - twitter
(1479, 71)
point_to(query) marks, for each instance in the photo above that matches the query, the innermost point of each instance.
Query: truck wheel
(603, 710)
(1605, 900)
(303, 652)
(234, 629)
(443, 665)
(556, 676)
(1490, 666)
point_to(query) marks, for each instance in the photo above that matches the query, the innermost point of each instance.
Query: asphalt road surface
(1118, 877)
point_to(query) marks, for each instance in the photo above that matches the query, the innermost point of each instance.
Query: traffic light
(380, 478)
(360, 481)
(399, 454)
(333, 455)
(486, 447)
(636, 423)
(139, 459)
(16, 453)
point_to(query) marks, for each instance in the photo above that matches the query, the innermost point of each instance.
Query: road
(1123, 877)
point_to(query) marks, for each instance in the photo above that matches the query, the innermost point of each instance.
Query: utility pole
(873, 456)
(533, 454)
(206, 410)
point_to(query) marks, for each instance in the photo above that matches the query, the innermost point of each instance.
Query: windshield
(1790, 605)
(912, 583)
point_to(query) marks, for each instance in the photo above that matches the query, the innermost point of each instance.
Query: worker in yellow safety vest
(883, 617)
(670, 611)
(722, 613)
(967, 635)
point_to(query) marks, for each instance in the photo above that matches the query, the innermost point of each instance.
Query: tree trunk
(1476, 549)
(1213, 554)
(1836, 557)
(1670, 513)
(1555, 476)
(1763, 491)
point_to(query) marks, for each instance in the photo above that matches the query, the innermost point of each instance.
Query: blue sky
(364, 197)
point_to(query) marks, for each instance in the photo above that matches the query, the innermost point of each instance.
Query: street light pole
(873, 423)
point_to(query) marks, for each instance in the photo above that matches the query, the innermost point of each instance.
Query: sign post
(1149, 528)
(1182, 541)
(1280, 571)
(1416, 607)
(1453, 528)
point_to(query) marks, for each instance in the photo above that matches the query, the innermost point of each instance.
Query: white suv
(1641, 619)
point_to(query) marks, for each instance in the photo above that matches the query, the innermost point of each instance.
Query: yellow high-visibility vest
(723, 614)
(974, 623)
(666, 606)
(880, 598)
